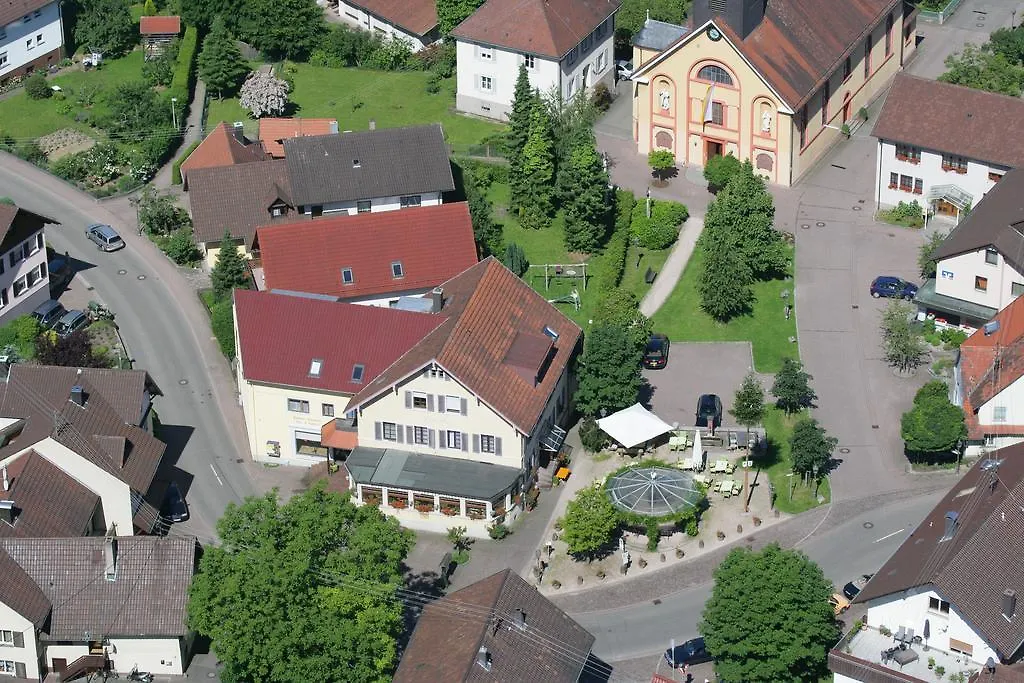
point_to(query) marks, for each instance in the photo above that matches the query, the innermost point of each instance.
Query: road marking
(875, 541)
(222, 483)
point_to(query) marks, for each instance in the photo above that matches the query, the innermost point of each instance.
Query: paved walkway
(192, 133)
(674, 266)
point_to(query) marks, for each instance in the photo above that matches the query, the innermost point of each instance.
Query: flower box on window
(425, 507)
(372, 501)
(901, 157)
(398, 503)
(449, 510)
(914, 160)
(916, 191)
(475, 514)
(892, 186)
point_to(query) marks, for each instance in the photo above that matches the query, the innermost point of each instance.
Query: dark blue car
(689, 653)
(892, 287)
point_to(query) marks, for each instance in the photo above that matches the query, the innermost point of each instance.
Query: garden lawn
(779, 427)
(356, 96)
(24, 118)
(766, 327)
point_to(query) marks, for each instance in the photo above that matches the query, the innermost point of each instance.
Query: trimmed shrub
(176, 168)
(223, 323)
(662, 228)
(181, 248)
(71, 167)
(602, 97)
(719, 170)
(591, 436)
(36, 87)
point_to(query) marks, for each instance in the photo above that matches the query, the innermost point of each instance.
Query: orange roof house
(274, 131)
(224, 146)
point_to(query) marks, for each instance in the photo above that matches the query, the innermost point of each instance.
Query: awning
(634, 425)
(339, 433)
(929, 298)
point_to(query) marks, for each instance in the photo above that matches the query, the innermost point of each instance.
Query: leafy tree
(221, 65)
(936, 389)
(181, 247)
(586, 209)
(230, 272)
(719, 170)
(926, 260)
(631, 15)
(621, 307)
(160, 69)
(524, 101)
(37, 87)
(105, 25)
(590, 523)
(74, 351)
(769, 601)
(792, 387)
(282, 29)
(343, 45)
(591, 436)
(135, 111)
(982, 69)
(903, 346)
(486, 232)
(1009, 43)
(538, 169)
(264, 95)
(326, 570)
(21, 333)
(933, 426)
(572, 125)
(748, 405)
(609, 374)
(811, 447)
(159, 213)
(724, 285)
(515, 259)
(451, 13)
(202, 13)
(661, 162)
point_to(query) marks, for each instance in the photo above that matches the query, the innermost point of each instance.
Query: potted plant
(931, 662)
(371, 500)
(450, 510)
(845, 130)
(423, 506)
(940, 671)
(398, 503)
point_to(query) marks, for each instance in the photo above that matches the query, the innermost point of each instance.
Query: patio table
(677, 443)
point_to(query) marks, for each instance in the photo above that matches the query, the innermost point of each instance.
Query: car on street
(48, 313)
(656, 352)
(892, 287)
(839, 603)
(104, 237)
(174, 507)
(71, 321)
(623, 69)
(689, 653)
(709, 410)
(852, 589)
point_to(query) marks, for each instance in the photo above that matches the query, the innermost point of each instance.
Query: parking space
(695, 369)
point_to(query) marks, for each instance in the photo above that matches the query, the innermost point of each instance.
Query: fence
(940, 16)
(484, 151)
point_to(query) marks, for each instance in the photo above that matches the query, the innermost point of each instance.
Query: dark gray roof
(391, 162)
(430, 473)
(20, 593)
(658, 35)
(146, 598)
(997, 221)
(927, 296)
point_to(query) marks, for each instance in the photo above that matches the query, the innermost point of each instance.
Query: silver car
(71, 321)
(104, 236)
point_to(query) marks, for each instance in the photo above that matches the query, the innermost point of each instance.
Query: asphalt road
(206, 462)
(844, 553)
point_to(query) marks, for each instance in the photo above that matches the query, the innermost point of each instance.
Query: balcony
(860, 654)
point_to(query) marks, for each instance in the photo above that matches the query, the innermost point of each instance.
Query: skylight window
(396, 270)
(551, 333)
(357, 373)
(314, 367)
(346, 276)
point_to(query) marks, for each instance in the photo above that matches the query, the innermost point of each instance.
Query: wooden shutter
(440, 403)
(377, 431)
(430, 438)
(464, 402)
(19, 639)
(19, 670)
(408, 399)
(409, 437)
(476, 443)
(398, 433)
(430, 402)
(497, 445)
(442, 442)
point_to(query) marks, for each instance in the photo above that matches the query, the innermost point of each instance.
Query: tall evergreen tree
(538, 171)
(724, 285)
(230, 272)
(221, 65)
(524, 101)
(586, 208)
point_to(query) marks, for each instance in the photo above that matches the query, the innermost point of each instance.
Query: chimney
(1009, 604)
(521, 619)
(78, 395)
(7, 511)
(110, 555)
(436, 300)
(483, 658)
(951, 524)
(373, 125)
(7, 482)
(239, 130)
(334, 127)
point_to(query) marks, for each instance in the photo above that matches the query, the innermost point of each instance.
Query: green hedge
(176, 168)
(222, 321)
(614, 257)
(184, 72)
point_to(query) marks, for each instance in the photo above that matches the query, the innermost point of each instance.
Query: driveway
(617, 122)
(971, 23)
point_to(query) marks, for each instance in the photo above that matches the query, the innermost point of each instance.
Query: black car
(656, 353)
(852, 589)
(690, 652)
(174, 507)
(709, 410)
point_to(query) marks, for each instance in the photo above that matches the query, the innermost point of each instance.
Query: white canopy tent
(634, 425)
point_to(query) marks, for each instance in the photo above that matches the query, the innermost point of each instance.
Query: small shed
(157, 32)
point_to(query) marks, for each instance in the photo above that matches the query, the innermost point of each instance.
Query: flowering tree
(264, 95)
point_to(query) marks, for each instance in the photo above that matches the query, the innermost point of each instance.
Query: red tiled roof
(273, 130)
(280, 335)
(487, 306)
(983, 380)
(416, 16)
(331, 436)
(549, 28)
(12, 10)
(433, 244)
(221, 148)
(971, 123)
(159, 25)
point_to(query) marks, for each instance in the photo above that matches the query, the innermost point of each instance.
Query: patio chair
(737, 488)
(901, 634)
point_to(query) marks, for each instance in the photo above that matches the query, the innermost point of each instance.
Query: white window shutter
(377, 431)
(398, 433)
(441, 439)
(440, 403)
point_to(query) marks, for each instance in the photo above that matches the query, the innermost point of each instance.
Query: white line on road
(875, 541)
(222, 483)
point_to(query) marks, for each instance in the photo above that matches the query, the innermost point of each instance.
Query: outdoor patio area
(869, 652)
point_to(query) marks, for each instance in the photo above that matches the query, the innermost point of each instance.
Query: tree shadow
(645, 396)
(429, 585)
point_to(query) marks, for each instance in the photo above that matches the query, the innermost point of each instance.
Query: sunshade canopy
(634, 425)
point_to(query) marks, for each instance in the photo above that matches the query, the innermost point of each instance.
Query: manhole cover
(656, 601)
(857, 208)
(122, 272)
(805, 226)
(182, 382)
(142, 277)
(891, 234)
(980, 25)
(869, 525)
(820, 224)
(844, 450)
(855, 307)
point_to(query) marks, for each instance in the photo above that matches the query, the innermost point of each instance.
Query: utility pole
(746, 485)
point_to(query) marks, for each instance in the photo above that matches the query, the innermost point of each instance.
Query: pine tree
(524, 100)
(586, 211)
(149, 9)
(748, 405)
(221, 65)
(230, 272)
(538, 171)
(792, 387)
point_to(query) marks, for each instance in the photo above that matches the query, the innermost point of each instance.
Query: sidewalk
(162, 179)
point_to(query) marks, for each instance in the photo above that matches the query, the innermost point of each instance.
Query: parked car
(709, 409)
(656, 353)
(48, 313)
(852, 589)
(623, 69)
(174, 507)
(892, 287)
(690, 652)
(60, 271)
(104, 236)
(71, 321)
(839, 603)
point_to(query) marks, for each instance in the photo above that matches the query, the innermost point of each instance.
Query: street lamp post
(174, 114)
(814, 473)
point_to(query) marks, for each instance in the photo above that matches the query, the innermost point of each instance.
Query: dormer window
(346, 276)
(277, 211)
(357, 373)
(314, 367)
(397, 271)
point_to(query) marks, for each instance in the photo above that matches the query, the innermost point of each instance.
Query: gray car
(71, 322)
(104, 236)
(48, 313)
